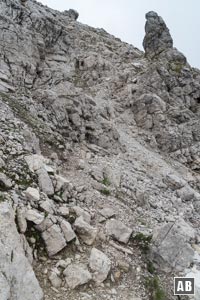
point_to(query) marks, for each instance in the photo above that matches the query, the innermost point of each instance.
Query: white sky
(126, 18)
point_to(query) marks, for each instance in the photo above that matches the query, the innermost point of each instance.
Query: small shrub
(143, 241)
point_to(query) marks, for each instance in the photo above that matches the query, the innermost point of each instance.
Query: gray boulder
(172, 245)
(100, 264)
(17, 279)
(118, 231)
(76, 275)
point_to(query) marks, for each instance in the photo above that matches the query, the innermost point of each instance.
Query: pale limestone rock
(76, 275)
(118, 231)
(85, 231)
(34, 216)
(67, 230)
(17, 279)
(32, 194)
(100, 265)
(54, 240)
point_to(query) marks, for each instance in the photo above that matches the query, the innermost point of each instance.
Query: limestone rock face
(17, 279)
(157, 38)
(97, 140)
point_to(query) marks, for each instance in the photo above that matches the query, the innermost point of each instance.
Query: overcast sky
(126, 18)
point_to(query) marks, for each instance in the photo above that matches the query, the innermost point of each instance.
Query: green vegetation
(106, 181)
(143, 241)
(150, 267)
(156, 291)
(2, 198)
(105, 192)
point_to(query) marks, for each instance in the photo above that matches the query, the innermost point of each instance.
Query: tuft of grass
(156, 291)
(106, 181)
(2, 198)
(105, 192)
(150, 267)
(143, 241)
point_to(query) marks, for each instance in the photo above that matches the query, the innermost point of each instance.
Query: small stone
(55, 280)
(107, 212)
(45, 182)
(21, 220)
(186, 193)
(34, 216)
(123, 265)
(81, 212)
(67, 230)
(5, 182)
(86, 232)
(118, 231)
(32, 194)
(63, 211)
(76, 275)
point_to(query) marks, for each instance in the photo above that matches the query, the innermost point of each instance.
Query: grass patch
(2, 198)
(105, 192)
(106, 181)
(156, 291)
(143, 241)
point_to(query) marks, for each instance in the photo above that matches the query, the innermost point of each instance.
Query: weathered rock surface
(17, 279)
(53, 239)
(118, 231)
(157, 38)
(172, 245)
(100, 265)
(76, 275)
(85, 231)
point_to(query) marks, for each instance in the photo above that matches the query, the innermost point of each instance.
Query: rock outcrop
(17, 279)
(157, 38)
(99, 159)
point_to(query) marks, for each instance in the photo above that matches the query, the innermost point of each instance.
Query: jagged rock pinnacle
(157, 37)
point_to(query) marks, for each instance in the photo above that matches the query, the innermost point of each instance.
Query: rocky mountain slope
(99, 160)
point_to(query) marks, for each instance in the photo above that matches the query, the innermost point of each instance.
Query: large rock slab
(172, 245)
(17, 279)
(100, 264)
